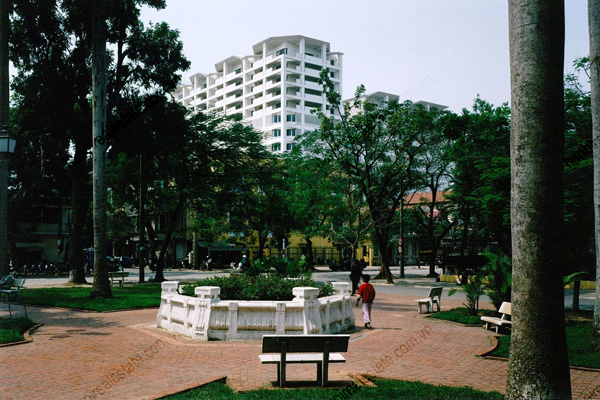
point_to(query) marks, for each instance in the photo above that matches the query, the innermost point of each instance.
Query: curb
(26, 336)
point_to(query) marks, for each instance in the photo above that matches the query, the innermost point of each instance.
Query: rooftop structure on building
(380, 98)
(275, 89)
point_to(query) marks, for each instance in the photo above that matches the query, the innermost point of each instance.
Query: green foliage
(576, 276)
(12, 330)
(481, 153)
(281, 266)
(473, 289)
(124, 298)
(579, 336)
(462, 315)
(260, 287)
(385, 389)
(499, 277)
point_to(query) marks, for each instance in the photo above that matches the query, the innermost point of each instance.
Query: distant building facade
(275, 89)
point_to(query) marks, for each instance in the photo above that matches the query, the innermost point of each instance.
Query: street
(414, 284)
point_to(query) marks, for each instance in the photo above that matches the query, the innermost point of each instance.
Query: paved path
(122, 355)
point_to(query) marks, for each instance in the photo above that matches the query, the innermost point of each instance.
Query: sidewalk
(122, 355)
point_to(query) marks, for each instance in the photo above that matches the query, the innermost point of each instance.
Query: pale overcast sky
(441, 51)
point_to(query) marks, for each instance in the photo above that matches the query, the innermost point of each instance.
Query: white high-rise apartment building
(275, 89)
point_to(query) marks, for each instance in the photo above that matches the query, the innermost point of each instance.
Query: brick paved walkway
(122, 355)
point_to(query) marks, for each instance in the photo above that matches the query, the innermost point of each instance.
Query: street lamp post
(7, 142)
(7, 146)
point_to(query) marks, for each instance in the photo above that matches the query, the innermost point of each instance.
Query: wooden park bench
(434, 297)
(304, 349)
(119, 276)
(505, 310)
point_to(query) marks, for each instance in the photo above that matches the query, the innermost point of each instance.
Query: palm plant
(473, 289)
(499, 278)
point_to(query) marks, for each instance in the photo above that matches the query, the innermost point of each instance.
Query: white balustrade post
(207, 296)
(311, 314)
(280, 319)
(233, 325)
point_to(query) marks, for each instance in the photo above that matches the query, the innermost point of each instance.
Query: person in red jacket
(366, 292)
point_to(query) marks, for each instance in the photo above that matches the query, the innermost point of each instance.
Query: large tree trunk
(381, 236)
(159, 276)
(594, 23)
(80, 203)
(538, 366)
(310, 259)
(101, 285)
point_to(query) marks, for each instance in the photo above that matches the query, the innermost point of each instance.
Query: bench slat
(299, 358)
(310, 343)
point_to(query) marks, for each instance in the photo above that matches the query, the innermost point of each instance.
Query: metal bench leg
(319, 374)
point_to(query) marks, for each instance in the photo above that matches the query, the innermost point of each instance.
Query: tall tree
(101, 283)
(538, 366)
(594, 26)
(374, 146)
(52, 58)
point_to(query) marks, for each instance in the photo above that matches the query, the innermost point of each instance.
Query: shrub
(259, 287)
(473, 290)
(498, 271)
(282, 266)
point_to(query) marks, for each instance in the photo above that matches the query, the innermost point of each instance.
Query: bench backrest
(18, 283)
(436, 291)
(505, 309)
(305, 343)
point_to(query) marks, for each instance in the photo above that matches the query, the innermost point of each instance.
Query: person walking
(355, 274)
(366, 292)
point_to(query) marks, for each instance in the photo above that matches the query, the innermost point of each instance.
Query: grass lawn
(13, 331)
(127, 297)
(579, 335)
(386, 389)
(462, 316)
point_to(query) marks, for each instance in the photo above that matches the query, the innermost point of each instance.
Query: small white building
(275, 89)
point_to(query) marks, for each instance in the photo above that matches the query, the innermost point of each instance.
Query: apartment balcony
(309, 110)
(313, 59)
(257, 89)
(273, 71)
(258, 75)
(233, 99)
(272, 109)
(273, 96)
(315, 73)
(272, 84)
(312, 85)
(312, 97)
(293, 81)
(219, 92)
(219, 104)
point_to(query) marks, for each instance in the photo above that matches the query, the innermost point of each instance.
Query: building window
(332, 62)
(290, 146)
(280, 52)
(276, 118)
(238, 71)
(291, 132)
(291, 118)
(276, 132)
(276, 147)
